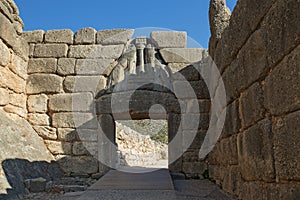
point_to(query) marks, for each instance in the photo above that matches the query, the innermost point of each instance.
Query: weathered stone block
(250, 191)
(46, 132)
(66, 66)
(85, 36)
(18, 100)
(114, 36)
(79, 164)
(6, 10)
(37, 103)
(228, 147)
(235, 36)
(96, 51)
(85, 148)
(92, 66)
(282, 86)
(4, 94)
(44, 83)
(50, 50)
(59, 36)
(232, 182)
(84, 84)
(286, 146)
(31, 50)
(232, 123)
(169, 39)
(74, 120)
(15, 110)
(176, 67)
(67, 134)
(59, 148)
(251, 102)
(36, 36)
(281, 39)
(71, 102)
(255, 147)
(10, 36)
(36, 185)
(42, 65)
(177, 55)
(251, 60)
(38, 119)
(4, 52)
(11, 80)
(19, 66)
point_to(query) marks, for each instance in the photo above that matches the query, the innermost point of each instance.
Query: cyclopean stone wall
(258, 155)
(20, 147)
(65, 73)
(13, 62)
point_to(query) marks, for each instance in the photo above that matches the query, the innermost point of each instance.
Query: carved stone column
(140, 46)
(150, 55)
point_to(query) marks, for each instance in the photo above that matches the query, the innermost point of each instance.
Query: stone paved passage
(158, 185)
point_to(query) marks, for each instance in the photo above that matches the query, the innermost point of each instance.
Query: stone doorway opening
(142, 143)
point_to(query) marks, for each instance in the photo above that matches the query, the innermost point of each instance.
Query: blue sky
(189, 15)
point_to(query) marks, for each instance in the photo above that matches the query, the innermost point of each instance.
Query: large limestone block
(115, 36)
(6, 10)
(92, 66)
(41, 65)
(252, 109)
(46, 132)
(232, 123)
(181, 55)
(4, 94)
(59, 36)
(85, 148)
(255, 152)
(38, 119)
(282, 86)
(169, 39)
(84, 83)
(36, 36)
(18, 141)
(241, 28)
(50, 50)
(59, 148)
(10, 36)
(85, 36)
(74, 120)
(4, 53)
(44, 83)
(281, 40)
(37, 103)
(18, 100)
(11, 80)
(286, 144)
(69, 134)
(66, 66)
(19, 66)
(96, 51)
(81, 102)
(15, 110)
(79, 164)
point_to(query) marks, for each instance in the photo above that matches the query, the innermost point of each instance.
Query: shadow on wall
(17, 171)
